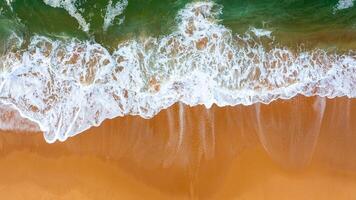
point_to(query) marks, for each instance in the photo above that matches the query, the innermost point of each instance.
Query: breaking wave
(68, 86)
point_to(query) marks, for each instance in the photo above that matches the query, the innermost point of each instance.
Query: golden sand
(290, 149)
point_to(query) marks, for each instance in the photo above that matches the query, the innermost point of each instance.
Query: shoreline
(218, 154)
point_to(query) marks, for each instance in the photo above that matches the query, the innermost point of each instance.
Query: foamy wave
(344, 4)
(112, 12)
(10, 120)
(69, 86)
(69, 6)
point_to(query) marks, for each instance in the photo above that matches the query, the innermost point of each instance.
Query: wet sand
(290, 149)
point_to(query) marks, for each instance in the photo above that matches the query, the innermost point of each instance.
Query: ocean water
(68, 65)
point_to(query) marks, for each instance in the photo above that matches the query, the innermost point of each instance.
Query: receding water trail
(207, 133)
(172, 144)
(181, 126)
(176, 129)
(290, 132)
(338, 135)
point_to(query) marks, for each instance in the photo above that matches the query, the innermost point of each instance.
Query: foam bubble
(68, 86)
(344, 4)
(261, 32)
(112, 11)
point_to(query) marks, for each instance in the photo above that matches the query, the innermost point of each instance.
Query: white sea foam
(10, 120)
(261, 32)
(9, 2)
(112, 11)
(69, 6)
(68, 86)
(344, 4)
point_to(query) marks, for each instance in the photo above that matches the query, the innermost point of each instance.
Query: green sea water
(293, 22)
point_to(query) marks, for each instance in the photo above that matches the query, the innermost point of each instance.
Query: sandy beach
(288, 149)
